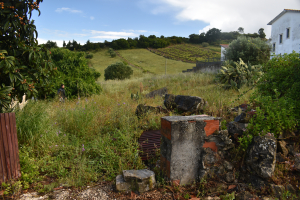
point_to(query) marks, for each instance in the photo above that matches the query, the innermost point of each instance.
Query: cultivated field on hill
(188, 52)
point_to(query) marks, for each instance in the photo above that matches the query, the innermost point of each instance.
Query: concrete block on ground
(138, 181)
(182, 146)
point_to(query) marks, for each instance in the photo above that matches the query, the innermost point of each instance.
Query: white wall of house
(222, 53)
(291, 21)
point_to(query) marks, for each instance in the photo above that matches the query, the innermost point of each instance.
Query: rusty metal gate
(9, 150)
(149, 143)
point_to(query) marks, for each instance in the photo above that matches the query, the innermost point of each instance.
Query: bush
(112, 53)
(205, 44)
(74, 73)
(282, 76)
(253, 50)
(117, 71)
(89, 56)
(236, 74)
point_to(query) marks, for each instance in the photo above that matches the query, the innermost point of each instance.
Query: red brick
(165, 165)
(166, 129)
(211, 126)
(211, 145)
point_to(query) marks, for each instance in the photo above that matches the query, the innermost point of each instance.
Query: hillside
(142, 59)
(188, 52)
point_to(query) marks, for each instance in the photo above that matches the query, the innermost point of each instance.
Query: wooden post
(9, 150)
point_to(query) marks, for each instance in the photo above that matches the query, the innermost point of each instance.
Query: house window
(280, 39)
(274, 46)
(288, 33)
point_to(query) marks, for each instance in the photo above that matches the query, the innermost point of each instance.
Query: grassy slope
(141, 57)
(154, 63)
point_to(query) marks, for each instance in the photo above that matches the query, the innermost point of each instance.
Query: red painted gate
(9, 150)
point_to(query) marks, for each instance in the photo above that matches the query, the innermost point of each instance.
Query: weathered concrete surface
(261, 156)
(182, 145)
(139, 180)
(121, 185)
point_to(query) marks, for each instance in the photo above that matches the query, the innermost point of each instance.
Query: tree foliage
(117, 71)
(24, 66)
(73, 71)
(253, 50)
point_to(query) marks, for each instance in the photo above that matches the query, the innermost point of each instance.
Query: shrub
(74, 73)
(205, 44)
(253, 50)
(283, 77)
(89, 56)
(112, 53)
(236, 74)
(117, 71)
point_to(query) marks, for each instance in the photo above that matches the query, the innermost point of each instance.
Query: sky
(100, 20)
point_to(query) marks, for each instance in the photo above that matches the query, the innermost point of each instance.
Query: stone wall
(208, 67)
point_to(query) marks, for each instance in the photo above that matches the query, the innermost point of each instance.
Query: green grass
(141, 58)
(94, 139)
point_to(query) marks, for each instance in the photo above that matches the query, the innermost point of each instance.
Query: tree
(117, 71)
(50, 44)
(194, 38)
(25, 67)
(261, 33)
(241, 30)
(253, 50)
(213, 35)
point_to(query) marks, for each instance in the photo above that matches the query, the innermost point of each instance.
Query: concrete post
(182, 146)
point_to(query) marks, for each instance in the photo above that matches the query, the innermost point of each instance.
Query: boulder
(242, 118)
(236, 129)
(140, 180)
(221, 140)
(261, 156)
(186, 104)
(160, 92)
(143, 109)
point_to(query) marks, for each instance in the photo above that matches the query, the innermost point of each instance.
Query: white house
(223, 48)
(285, 34)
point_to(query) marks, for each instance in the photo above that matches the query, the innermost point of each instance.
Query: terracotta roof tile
(224, 45)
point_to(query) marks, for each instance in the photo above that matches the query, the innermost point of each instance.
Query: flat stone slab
(121, 185)
(139, 175)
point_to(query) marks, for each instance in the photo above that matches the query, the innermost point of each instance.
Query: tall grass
(95, 138)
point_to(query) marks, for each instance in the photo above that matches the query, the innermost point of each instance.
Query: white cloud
(67, 10)
(92, 18)
(226, 15)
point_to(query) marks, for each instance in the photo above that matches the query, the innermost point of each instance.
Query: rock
(282, 148)
(257, 181)
(260, 156)
(245, 196)
(186, 104)
(290, 188)
(160, 92)
(143, 109)
(242, 118)
(221, 187)
(121, 185)
(236, 129)
(228, 166)
(277, 190)
(209, 157)
(140, 180)
(221, 140)
(291, 150)
(229, 177)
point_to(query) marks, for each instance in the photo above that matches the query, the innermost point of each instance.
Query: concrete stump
(182, 146)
